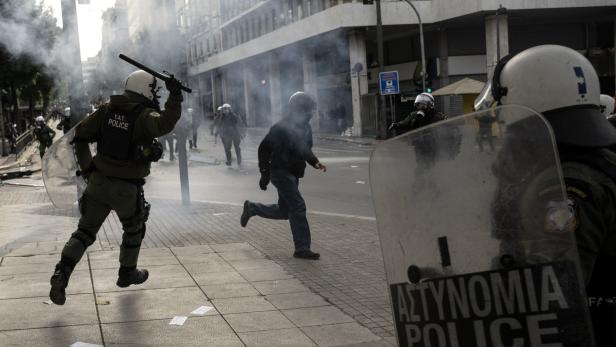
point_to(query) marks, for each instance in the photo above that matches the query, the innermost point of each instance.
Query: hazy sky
(89, 21)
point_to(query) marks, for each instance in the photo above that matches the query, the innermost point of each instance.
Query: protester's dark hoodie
(288, 146)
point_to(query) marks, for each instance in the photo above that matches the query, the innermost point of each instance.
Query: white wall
(358, 15)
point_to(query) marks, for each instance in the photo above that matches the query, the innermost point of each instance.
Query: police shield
(477, 234)
(59, 168)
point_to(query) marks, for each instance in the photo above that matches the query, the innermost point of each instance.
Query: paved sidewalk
(349, 277)
(252, 302)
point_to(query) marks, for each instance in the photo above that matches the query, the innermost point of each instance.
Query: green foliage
(25, 48)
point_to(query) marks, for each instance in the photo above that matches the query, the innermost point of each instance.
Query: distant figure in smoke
(182, 131)
(213, 129)
(425, 143)
(44, 134)
(340, 116)
(195, 122)
(65, 121)
(13, 135)
(486, 120)
(167, 143)
(231, 129)
(283, 154)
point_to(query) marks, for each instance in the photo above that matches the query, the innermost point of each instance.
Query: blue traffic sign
(389, 82)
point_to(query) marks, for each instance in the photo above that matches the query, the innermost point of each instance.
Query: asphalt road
(343, 189)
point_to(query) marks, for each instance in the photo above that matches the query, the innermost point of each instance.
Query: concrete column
(491, 39)
(274, 83)
(359, 79)
(213, 88)
(224, 75)
(251, 120)
(444, 67)
(311, 81)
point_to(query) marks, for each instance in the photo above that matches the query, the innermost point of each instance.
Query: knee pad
(84, 237)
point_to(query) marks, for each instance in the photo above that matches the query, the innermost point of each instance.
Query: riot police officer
(13, 135)
(195, 119)
(65, 124)
(607, 105)
(44, 134)
(423, 115)
(283, 155)
(124, 131)
(230, 127)
(568, 97)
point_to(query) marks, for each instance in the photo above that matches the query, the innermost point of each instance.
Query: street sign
(389, 83)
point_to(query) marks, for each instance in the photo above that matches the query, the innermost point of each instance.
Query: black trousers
(229, 141)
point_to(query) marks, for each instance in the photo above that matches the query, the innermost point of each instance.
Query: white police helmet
(143, 83)
(607, 105)
(39, 119)
(424, 101)
(560, 83)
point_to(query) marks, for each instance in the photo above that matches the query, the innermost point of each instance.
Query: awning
(463, 86)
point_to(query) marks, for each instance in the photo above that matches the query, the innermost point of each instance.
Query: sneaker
(306, 255)
(245, 214)
(59, 281)
(128, 276)
(228, 163)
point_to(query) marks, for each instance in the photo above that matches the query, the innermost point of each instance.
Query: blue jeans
(290, 206)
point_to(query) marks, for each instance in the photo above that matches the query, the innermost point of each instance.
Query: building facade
(254, 54)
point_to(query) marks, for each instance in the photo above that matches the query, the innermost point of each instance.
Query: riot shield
(59, 168)
(478, 241)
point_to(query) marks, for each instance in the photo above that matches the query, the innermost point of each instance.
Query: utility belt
(139, 182)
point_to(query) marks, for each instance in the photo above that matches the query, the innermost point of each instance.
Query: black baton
(150, 71)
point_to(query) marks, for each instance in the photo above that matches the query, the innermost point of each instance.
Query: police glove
(264, 181)
(173, 85)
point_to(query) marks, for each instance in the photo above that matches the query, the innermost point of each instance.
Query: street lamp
(421, 43)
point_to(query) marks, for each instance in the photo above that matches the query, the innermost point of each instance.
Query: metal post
(421, 43)
(183, 163)
(381, 130)
(75, 81)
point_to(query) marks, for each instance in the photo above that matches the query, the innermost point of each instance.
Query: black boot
(59, 281)
(308, 254)
(131, 275)
(246, 214)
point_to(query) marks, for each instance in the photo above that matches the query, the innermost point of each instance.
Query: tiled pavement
(271, 309)
(349, 276)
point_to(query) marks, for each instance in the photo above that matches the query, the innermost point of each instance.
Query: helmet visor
(485, 99)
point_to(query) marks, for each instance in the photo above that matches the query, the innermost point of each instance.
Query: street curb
(359, 141)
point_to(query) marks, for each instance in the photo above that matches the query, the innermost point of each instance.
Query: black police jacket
(287, 146)
(417, 120)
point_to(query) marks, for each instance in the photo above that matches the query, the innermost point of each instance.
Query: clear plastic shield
(477, 234)
(59, 168)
